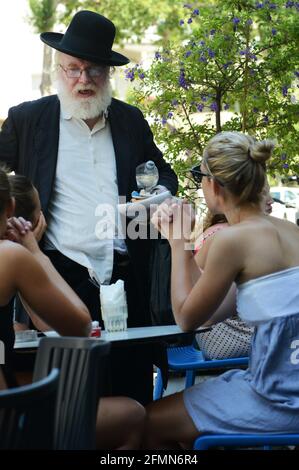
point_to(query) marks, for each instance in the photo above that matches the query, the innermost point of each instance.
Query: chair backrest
(27, 414)
(82, 364)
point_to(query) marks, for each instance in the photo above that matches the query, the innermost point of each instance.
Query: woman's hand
(19, 231)
(16, 228)
(40, 227)
(174, 219)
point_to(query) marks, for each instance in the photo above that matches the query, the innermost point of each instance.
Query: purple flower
(214, 106)
(226, 106)
(130, 74)
(196, 12)
(202, 58)
(204, 98)
(289, 4)
(225, 66)
(200, 107)
(285, 90)
(266, 119)
(201, 43)
(249, 21)
(236, 20)
(212, 32)
(259, 5)
(170, 115)
(163, 121)
(272, 6)
(141, 75)
(283, 156)
(296, 73)
(255, 110)
(182, 80)
(189, 20)
(274, 31)
(181, 22)
(211, 53)
(174, 102)
(188, 53)
(285, 165)
(157, 55)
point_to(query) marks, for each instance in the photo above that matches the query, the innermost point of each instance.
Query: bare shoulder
(283, 223)
(227, 238)
(13, 259)
(12, 254)
(227, 246)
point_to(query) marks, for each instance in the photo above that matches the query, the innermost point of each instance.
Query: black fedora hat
(89, 37)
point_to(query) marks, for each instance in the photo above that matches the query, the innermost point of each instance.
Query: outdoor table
(130, 366)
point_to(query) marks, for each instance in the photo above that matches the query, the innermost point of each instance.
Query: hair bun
(261, 151)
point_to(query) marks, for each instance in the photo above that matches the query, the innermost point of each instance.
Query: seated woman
(26, 270)
(27, 205)
(232, 336)
(260, 254)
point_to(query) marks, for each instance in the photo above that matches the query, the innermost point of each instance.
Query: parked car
(286, 203)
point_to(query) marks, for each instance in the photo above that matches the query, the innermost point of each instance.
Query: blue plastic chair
(190, 359)
(207, 441)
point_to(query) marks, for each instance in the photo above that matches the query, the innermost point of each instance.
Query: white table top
(129, 334)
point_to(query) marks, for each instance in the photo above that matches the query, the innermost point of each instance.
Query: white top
(263, 298)
(82, 210)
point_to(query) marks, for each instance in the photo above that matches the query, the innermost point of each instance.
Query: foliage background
(219, 65)
(236, 69)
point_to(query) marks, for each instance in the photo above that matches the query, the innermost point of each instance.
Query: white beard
(84, 108)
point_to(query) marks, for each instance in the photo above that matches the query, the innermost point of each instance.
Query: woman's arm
(42, 288)
(195, 303)
(3, 385)
(228, 307)
(36, 320)
(194, 306)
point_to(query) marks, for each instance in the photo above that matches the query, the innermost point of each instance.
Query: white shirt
(85, 185)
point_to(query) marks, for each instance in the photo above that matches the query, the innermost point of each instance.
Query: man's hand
(159, 189)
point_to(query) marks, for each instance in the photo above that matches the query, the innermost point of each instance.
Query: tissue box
(115, 318)
(114, 306)
(25, 335)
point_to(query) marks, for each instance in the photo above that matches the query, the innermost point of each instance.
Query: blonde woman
(260, 254)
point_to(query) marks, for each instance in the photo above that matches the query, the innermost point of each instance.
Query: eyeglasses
(92, 72)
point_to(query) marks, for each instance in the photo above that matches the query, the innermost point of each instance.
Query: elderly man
(80, 149)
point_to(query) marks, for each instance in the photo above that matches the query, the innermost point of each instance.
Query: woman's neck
(235, 215)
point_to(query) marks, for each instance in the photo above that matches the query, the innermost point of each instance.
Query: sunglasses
(197, 175)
